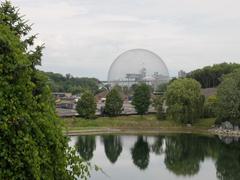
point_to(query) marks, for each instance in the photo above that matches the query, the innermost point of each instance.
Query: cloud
(83, 37)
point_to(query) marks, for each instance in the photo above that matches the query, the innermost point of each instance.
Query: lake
(170, 157)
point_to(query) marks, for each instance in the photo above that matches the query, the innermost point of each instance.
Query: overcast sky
(83, 37)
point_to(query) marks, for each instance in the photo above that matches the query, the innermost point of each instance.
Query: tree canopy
(86, 105)
(114, 103)
(228, 99)
(68, 83)
(210, 76)
(141, 98)
(31, 139)
(184, 100)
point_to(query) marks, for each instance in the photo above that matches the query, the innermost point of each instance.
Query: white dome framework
(138, 65)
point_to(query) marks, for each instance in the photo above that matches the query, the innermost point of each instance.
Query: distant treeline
(210, 76)
(68, 83)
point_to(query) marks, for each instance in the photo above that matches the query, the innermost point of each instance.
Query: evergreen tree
(31, 139)
(86, 105)
(141, 98)
(114, 103)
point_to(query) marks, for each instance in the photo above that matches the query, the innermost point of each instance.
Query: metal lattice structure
(138, 65)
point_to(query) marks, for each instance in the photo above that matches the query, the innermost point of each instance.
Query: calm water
(170, 157)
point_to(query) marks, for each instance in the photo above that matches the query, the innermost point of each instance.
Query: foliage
(228, 99)
(113, 147)
(210, 76)
(68, 83)
(184, 100)
(86, 105)
(141, 98)
(140, 153)
(162, 87)
(114, 103)
(209, 109)
(31, 139)
(158, 103)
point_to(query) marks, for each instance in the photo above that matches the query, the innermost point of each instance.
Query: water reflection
(181, 154)
(113, 147)
(140, 153)
(85, 146)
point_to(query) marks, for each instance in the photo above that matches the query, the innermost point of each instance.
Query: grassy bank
(133, 123)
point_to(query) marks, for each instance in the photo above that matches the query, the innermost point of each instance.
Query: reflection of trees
(85, 146)
(228, 162)
(113, 147)
(157, 146)
(183, 154)
(140, 153)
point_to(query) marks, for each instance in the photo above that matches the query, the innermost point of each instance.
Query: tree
(86, 105)
(209, 109)
(31, 139)
(158, 103)
(114, 103)
(141, 98)
(184, 100)
(228, 99)
(210, 76)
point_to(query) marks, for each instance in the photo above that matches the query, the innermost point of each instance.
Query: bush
(86, 105)
(114, 103)
(141, 98)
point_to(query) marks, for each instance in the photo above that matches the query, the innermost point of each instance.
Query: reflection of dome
(138, 65)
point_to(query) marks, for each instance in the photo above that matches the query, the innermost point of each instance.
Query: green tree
(158, 102)
(31, 139)
(114, 103)
(141, 98)
(228, 99)
(113, 147)
(209, 109)
(184, 100)
(86, 105)
(210, 76)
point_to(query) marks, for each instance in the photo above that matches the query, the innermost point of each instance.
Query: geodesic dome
(138, 65)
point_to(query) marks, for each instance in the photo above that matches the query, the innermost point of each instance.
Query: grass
(134, 122)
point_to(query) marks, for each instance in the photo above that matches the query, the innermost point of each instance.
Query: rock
(227, 125)
(189, 125)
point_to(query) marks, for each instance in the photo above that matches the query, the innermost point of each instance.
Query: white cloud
(83, 37)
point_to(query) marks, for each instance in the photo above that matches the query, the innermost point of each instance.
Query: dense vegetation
(210, 76)
(31, 139)
(228, 99)
(141, 98)
(184, 100)
(68, 83)
(86, 105)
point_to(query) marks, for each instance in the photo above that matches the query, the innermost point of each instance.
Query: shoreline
(150, 131)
